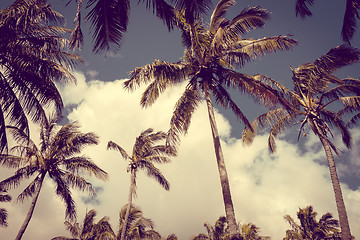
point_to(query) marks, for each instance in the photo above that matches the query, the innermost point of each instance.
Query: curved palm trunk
(131, 192)
(31, 210)
(340, 205)
(224, 180)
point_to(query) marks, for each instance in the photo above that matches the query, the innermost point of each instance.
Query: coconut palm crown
(56, 158)
(310, 228)
(312, 104)
(208, 67)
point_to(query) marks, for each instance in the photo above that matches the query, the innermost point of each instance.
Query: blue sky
(265, 187)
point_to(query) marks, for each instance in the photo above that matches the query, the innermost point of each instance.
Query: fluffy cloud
(265, 186)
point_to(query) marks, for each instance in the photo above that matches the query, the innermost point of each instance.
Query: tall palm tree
(57, 157)
(316, 90)
(350, 17)
(89, 230)
(310, 229)
(109, 19)
(136, 225)
(145, 153)
(4, 197)
(207, 67)
(33, 54)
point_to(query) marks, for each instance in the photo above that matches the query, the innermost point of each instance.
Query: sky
(265, 186)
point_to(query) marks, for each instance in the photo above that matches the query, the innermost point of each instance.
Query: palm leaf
(114, 146)
(181, 118)
(109, 19)
(302, 9)
(249, 18)
(218, 14)
(350, 17)
(85, 165)
(337, 57)
(162, 10)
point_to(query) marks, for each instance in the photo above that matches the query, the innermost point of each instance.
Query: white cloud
(265, 187)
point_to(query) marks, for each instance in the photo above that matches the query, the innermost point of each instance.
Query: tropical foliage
(207, 67)
(316, 89)
(33, 55)
(145, 153)
(136, 225)
(310, 229)
(89, 230)
(220, 231)
(4, 197)
(57, 157)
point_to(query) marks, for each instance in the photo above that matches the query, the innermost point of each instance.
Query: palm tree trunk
(340, 205)
(31, 210)
(224, 180)
(131, 192)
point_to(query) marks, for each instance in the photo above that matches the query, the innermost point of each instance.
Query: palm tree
(250, 231)
(310, 228)
(207, 66)
(350, 16)
(145, 153)
(109, 19)
(220, 231)
(136, 226)
(315, 90)
(4, 197)
(33, 54)
(89, 230)
(57, 156)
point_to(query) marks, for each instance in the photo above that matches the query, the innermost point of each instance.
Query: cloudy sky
(265, 186)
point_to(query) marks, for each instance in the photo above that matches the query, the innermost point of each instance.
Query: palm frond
(155, 173)
(181, 118)
(337, 57)
(192, 8)
(115, 146)
(83, 164)
(12, 161)
(162, 10)
(249, 18)
(109, 21)
(20, 174)
(76, 37)
(30, 189)
(302, 9)
(260, 47)
(218, 14)
(350, 18)
(223, 97)
(63, 191)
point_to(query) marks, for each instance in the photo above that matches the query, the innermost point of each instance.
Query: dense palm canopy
(89, 230)
(350, 16)
(311, 103)
(310, 228)
(56, 157)
(145, 153)
(208, 67)
(4, 197)
(33, 54)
